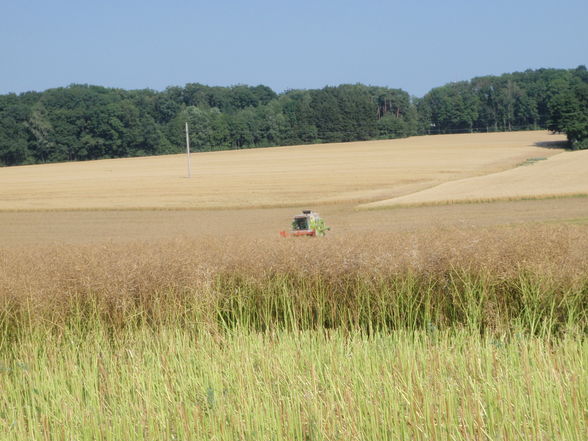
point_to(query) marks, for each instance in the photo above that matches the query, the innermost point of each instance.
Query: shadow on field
(553, 144)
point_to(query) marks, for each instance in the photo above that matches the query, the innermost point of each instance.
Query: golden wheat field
(255, 192)
(282, 176)
(560, 175)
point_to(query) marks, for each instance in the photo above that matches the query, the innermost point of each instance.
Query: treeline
(554, 99)
(82, 122)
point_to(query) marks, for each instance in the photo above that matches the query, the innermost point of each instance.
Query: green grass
(537, 304)
(531, 161)
(458, 356)
(315, 385)
(577, 221)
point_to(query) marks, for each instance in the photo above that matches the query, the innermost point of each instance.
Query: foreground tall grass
(177, 385)
(445, 335)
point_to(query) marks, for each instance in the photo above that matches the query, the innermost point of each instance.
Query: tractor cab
(308, 223)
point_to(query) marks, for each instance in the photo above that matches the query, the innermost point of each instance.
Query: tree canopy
(82, 122)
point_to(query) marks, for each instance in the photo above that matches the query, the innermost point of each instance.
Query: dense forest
(82, 122)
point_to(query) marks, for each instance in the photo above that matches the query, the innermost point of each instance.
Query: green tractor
(308, 223)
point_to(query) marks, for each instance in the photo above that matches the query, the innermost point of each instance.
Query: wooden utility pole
(188, 151)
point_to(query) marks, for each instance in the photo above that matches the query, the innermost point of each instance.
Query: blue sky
(283, 44)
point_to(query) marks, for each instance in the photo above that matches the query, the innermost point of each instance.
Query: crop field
(283, 176)
(26, 229)
(558, 176)
(466, 335)
(137, 304)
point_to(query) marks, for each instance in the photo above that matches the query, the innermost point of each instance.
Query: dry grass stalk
(484, 277)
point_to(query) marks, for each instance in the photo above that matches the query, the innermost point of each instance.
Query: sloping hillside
(564, 174)
(283, 176)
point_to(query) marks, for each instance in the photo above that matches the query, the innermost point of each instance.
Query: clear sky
(413, 45)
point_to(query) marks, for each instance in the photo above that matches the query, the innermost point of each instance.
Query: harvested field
(562, 175)
(281, 176)
(85, 227)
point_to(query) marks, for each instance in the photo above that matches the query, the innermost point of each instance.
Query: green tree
(569, 114)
